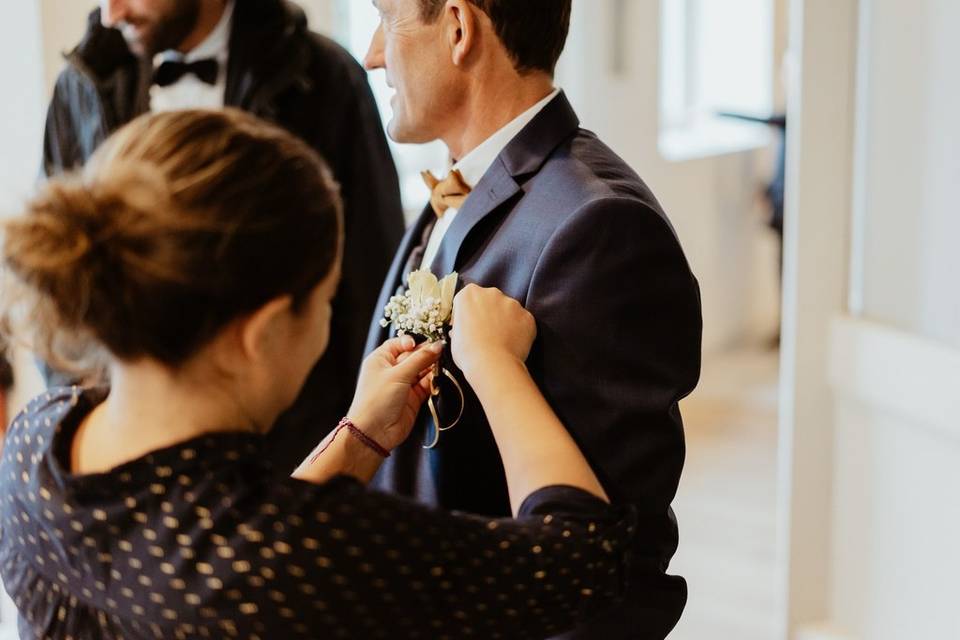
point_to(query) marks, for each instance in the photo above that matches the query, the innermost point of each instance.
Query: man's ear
(260, 331)
(460, 27)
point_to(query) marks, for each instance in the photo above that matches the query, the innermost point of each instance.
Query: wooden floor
(726, 506)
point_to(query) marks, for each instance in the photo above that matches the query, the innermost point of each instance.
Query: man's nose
(112, 12)
(374, 58)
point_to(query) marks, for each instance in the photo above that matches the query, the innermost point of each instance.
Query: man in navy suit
(543, 210)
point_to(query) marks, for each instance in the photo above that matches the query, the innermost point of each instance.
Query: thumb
(413, 365)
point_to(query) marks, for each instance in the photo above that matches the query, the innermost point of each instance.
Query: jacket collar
(102, 52)
(536, 142)
(525, 155)
(269, 50)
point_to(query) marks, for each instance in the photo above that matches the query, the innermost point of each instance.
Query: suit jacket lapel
(525, 154)
(496, 187)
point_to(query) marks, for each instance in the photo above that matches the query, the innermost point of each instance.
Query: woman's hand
(489, 328)
(394, 383)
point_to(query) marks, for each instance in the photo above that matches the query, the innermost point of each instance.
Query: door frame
(821, 149)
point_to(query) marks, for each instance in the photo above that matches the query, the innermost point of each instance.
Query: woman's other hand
(489, 328)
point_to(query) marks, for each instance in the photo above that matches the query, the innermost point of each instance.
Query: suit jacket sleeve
(618, 313)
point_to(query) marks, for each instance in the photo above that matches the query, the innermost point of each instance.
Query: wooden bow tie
(451, 192)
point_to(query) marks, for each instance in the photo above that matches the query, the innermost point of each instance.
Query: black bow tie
(171, 71)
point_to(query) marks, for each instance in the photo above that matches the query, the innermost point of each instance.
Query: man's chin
(403, 132)
(137, 45)
(396, 131)
(149, 41)
(137, 48)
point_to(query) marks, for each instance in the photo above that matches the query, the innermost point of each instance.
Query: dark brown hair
(180, 223)
(534, 32)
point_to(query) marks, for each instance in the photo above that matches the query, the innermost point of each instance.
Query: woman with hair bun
(194, 261)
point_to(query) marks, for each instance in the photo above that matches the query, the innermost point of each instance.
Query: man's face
(151, 26)
(418, 64)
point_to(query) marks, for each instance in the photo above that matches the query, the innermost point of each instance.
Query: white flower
(420, 284)
(425, 308)
(448, 288)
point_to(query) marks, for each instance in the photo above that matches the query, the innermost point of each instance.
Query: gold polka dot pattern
(206, 540)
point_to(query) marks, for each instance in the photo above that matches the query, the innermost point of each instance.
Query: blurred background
(823, 442)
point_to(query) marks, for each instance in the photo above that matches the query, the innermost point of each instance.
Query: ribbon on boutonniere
(424, 310)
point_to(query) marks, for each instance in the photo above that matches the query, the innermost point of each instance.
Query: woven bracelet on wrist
(347, 424)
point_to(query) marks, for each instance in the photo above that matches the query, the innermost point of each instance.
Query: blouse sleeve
(337, 556)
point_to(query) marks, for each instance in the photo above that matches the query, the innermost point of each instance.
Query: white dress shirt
(190, 92)
(474, 165)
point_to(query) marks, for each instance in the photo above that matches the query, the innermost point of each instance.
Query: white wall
(711, 201)
(33, 36)
(64, 23)
(911, 166)
(896, 467)
(21, 101)
(895, 558)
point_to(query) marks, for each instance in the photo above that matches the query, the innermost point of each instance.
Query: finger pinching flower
(425, 310)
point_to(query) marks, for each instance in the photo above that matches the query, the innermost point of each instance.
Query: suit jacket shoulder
(584, 172)
(581, 185)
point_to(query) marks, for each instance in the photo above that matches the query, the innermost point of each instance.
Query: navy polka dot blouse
(205, 540)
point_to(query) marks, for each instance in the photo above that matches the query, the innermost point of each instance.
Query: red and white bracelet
(347, 424)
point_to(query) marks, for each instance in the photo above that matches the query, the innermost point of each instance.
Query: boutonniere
(424, 310)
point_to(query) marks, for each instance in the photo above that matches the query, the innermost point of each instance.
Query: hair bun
(74, 233)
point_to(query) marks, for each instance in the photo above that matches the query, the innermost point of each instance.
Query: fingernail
(437, 347)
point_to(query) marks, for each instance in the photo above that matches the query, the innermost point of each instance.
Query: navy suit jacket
(563, 225)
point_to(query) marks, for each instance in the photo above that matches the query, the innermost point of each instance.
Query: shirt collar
(216, 45)
(473, 165)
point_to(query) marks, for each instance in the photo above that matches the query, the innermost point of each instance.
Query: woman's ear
(460, 25)
(262, 330)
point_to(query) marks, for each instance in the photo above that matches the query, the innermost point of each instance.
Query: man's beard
(167, 32)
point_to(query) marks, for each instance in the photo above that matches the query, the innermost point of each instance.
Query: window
(715, 57)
